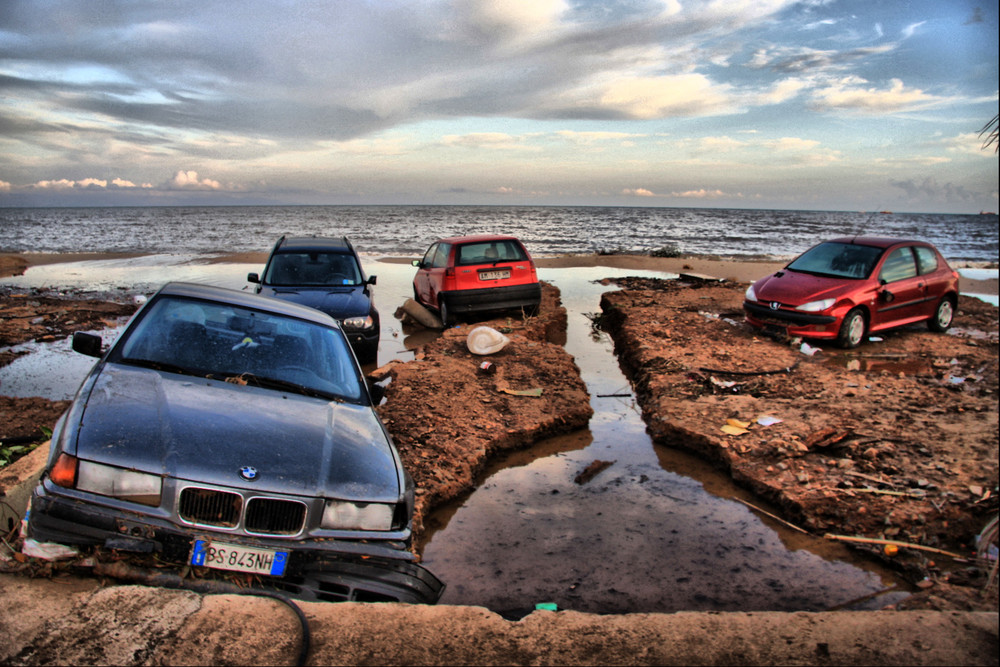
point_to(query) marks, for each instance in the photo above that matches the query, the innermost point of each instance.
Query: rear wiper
(158, 365)
(271, 383)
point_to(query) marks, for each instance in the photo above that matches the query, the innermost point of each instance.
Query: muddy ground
(895, 440)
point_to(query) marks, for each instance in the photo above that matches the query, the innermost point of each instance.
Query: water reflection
(657, 531)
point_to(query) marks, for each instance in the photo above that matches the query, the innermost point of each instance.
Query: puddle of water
(656, 531)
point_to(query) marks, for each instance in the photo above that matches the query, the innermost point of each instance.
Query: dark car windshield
(838, 260)
(489, 252)
(312, 268)
(241, 346)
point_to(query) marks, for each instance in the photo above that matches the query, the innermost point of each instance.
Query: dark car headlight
(358, 323)
(342, 515)
(111, 481)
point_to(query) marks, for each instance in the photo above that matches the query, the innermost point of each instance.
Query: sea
(546, 230)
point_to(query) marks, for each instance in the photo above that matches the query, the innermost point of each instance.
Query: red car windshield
(837, 260)
(489, 252)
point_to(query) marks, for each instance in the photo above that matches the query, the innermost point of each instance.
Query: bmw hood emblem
(249, 473)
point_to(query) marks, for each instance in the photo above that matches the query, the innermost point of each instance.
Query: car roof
(301, 243)
(476, 238)
(876, 241)
(246, 300)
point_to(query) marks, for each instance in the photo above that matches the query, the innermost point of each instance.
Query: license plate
(237, 558)
(494, 275)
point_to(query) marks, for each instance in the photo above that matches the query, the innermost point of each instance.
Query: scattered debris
(592, 470)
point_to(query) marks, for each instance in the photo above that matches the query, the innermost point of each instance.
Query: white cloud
(188, 180)
(667, 96)
(487, 140)
(4, 186)
(701, 194)
(910, 29)
(792, 144)
(847, 95)
(639, 192)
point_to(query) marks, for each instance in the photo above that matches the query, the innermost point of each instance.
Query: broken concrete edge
(44, 623)
(18, 479)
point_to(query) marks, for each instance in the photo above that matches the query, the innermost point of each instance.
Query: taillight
(63, 473)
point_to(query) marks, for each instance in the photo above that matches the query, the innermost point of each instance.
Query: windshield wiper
(272, 383)
(158, 365)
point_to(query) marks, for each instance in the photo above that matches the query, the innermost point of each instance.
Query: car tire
(443, 312)
(943, 316)
(853, 329)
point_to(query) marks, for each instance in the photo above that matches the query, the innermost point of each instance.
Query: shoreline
(735, 270)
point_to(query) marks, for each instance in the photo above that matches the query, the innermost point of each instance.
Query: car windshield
(313, 268)
(489, 252)
(838, 260)
(241, 346)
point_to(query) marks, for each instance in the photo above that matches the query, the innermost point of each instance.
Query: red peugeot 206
(847, 288)
(468, 274)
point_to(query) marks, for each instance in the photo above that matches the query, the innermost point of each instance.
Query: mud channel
(654, 530)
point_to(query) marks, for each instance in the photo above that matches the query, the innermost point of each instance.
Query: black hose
(121, 570)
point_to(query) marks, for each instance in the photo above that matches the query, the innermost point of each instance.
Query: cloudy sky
(815, 104)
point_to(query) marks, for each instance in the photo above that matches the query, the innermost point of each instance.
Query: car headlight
(136, 487)
(341, 515)
(751, 295)
(816, 306)
(358, 323)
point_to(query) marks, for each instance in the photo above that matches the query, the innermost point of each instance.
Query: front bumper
(331, 570)
(791, 322)
(494, 298)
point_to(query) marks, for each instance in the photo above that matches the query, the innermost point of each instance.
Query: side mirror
(416, 263)
(88, 344)
(253, 278)
(372, 279)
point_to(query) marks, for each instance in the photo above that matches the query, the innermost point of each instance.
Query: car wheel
(943, 316)
(853, 329)
(443, 311)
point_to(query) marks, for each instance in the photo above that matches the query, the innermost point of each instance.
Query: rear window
(489, 252)
(313, 268)
(926, 259)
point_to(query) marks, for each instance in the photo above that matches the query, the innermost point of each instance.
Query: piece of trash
(485, 340)
(246, 342)
(808, 349)
(547, 606)
(47, 550)
(537, 391)
(890, 550)
(725, 384)
(854, 365)
(875, 339)
(767, 420)
(592, 470)
(737, 423)
(488, 368)
(735, 427)
(955, 380)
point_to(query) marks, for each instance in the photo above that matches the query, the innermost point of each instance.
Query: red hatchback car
(846, 288)
(466, 274)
